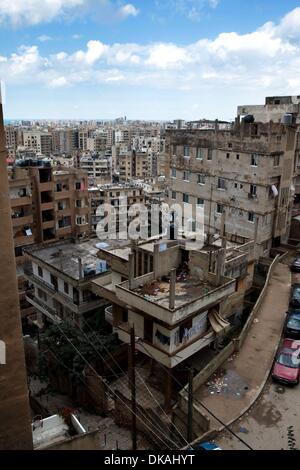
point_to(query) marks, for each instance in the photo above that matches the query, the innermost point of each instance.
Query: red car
(287, 363)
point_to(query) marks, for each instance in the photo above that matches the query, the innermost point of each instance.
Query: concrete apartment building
(285, 109)
(61, 275)
(178, 300)
(134, 165)
(47, 204)
(97, 167)
(246, 173)
(120, 195)
(15, 419)
(39, 141)
(65, 141)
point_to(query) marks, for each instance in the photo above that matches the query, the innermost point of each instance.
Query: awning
(218, 324)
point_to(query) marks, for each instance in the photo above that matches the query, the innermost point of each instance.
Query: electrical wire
(204, 406)
(137, 373)
(109, 388)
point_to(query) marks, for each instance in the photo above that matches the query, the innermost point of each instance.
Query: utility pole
(133, 389)
(190, 407)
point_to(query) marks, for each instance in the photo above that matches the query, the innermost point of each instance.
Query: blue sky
(151, 59)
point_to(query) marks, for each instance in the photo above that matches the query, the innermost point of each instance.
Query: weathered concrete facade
(246, 173)
(15, 425)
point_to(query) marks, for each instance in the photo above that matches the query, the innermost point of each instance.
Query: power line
(110, 389)
(205, 407)
(138, 374)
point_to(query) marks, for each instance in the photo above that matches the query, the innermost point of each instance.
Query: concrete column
(172, 289)
(131, 270)
(155, 259)
(220, 265)
(15, 421)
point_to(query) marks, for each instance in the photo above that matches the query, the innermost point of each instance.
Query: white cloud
(44, 38)
(167, 55)
(58, 82)
(21, 12)
(128, 10)
(33, 12)
(265, 60)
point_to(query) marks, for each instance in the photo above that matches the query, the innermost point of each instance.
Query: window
(209, 154)
(235, 185)
(173, 172)
(253, 190)
(186, 151)
(201, 179)
(66, 287)
(185, 198)
(199, 153)
(221, 183)
(251, 216)
(227, 155)
(77, 185)
(173, 196)
(220, 208)
(174, 147)
(200, 201)
(237, 156)
(186, 176)
(276, 160)
(254, 160)
(40, 271)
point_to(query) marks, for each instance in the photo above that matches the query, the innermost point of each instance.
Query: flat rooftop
(64, 257)
(187, 290)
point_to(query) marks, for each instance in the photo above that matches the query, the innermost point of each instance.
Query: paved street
(272, 420)
(266, 425)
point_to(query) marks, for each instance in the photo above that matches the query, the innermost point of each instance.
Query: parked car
(287, 363)
(295, 296)
(206, 446)
(292, 324)
(295, 266)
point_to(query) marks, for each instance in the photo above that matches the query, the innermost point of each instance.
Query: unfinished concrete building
(247, 174)
(179, 301)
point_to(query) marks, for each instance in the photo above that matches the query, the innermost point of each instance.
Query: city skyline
(149, 61)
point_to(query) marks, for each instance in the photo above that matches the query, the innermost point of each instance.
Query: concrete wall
(15, 419)
(88, 441)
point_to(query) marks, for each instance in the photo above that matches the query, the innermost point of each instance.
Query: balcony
(164, 357)
(62, 195)
(63, 231)
(48, 224)
(21, 221)
(45, 309)
(21, 201)
(109, 315)
(47, 186)
(82, 210)
(104, 287)
(46, 206)
(23, 240)
(190, 296)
